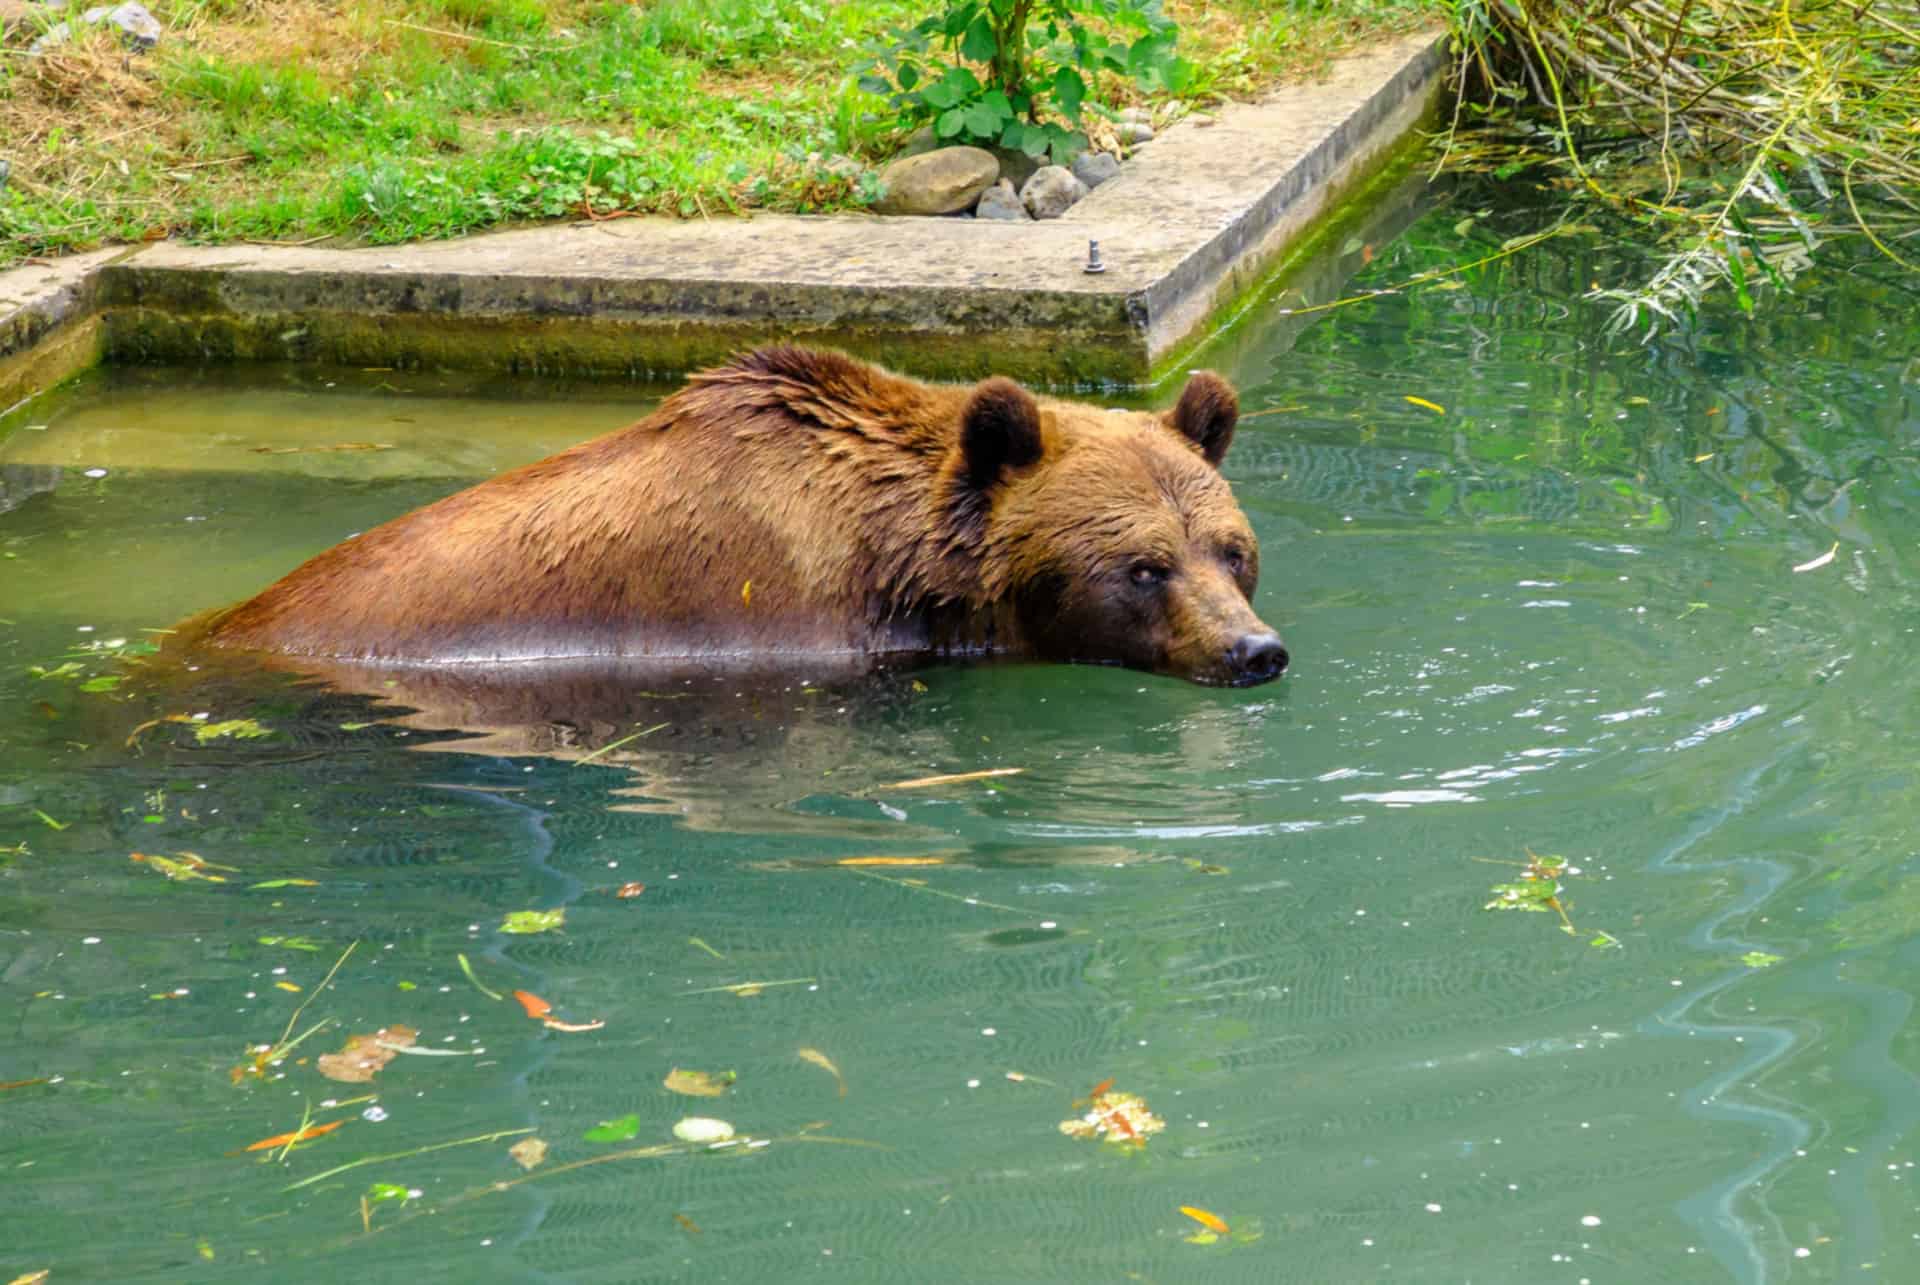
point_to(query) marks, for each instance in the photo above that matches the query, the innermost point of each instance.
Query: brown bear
(801, 507)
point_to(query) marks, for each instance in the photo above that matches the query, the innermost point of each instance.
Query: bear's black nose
(1256, 658)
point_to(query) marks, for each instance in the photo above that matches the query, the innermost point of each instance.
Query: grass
(379, 121)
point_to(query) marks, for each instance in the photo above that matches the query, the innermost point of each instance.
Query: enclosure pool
(1646, 607)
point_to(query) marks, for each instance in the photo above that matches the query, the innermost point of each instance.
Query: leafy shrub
(1038, 60)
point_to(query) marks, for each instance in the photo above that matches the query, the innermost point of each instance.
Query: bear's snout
(1256, 658)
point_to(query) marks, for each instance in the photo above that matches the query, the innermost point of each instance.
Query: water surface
(1555, 611)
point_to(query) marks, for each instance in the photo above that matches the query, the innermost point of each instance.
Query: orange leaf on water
(535, 1006)
(298, 1135)
(1211, 1221)
(630, 890)
(1100, 1088)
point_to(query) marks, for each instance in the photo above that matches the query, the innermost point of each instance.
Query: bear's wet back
(800, 505)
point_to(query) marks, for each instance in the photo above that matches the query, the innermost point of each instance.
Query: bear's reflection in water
(769, 752)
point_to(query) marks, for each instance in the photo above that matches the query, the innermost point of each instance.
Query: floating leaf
(627, 1126)
(699, 1084)
(298, 1135)
(287, 883)
(687, 1224)
(467, 968)
(1211, 1221)
(572, 1027)
(528, 1153)
(700, 1128)
(825, 1063)
(1424, 404)
(746, 594)
(1760, 959)
(1115, 1117)
(291, 943)
(630, 890)
(922, 782)
(533, 921)
(183, 866)
(1814, 564)
(890, 861)
(365, 1054)
(241, 728)
(535, 1006)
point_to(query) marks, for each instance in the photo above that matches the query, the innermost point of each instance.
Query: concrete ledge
(1191, 224)
(49, 322)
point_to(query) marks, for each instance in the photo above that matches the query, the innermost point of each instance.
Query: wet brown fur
(800, 503)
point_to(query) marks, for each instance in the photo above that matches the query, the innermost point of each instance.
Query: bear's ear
(999, 432)
(1206, 414)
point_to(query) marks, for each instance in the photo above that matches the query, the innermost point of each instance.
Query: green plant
(1039, 61)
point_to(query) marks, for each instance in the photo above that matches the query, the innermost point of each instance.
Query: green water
(1559, 615)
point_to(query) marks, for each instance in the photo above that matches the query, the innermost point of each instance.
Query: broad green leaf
(950, 123)
(979, 43)
(533, 921)
(983, 121)
(1069, 91)
(959, 18)
(627, 1126)
(940, 95)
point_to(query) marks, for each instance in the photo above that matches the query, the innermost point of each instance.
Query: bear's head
(1112, 536)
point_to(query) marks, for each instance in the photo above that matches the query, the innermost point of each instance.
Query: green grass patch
(378, 121)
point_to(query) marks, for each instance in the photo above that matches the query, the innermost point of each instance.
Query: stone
(1136, 115)
(1201, 120)
(140, 29)
(947, 180)
(921, 140)
(1135, 134)
(1050, 191)
(1015, 165)
(1095, 168)
(1001, 202)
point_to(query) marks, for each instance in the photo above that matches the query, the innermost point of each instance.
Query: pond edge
(1198, 221)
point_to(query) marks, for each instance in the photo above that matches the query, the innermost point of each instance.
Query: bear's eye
(1236, 559)
(1145, 574)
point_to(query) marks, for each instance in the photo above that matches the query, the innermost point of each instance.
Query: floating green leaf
(627, 1126)
(533, 921)
(1760, 959)
(244, 728)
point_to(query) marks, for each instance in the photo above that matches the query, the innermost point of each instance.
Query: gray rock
(1201, 120)
(947, 180)
(1135, 134)
(1095, 168)
(1136, 115)
(921, 140)
(140, 29)
(1015, 165)
(1050, 191)
(1001, 202)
